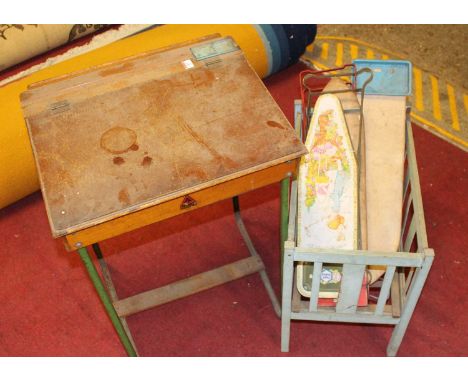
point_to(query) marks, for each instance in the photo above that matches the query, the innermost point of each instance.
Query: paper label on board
(188, 64)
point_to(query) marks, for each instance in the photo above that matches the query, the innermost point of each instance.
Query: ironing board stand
(399, 291)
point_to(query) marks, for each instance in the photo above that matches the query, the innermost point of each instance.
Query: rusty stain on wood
(124, 198)
(118, 140)
(275, 124)
(225, 161)
(146, 161)
(203, 77)
(118, 160)
(194, 171)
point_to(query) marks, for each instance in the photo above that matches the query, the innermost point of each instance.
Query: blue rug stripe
(273, 44)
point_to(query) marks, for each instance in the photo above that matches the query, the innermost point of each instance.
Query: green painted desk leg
(106, 301)
(284, 217)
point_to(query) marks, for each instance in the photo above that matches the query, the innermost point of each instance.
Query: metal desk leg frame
(284, 221)
(186, 287)
(111, 289)
(254, 253)
(96, 280)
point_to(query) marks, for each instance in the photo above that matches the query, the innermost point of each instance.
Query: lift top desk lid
(128, 135)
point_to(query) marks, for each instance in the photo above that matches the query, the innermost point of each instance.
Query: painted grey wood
(343, 317)
(408, 280)
(303, 307)
(315, 289)
(411, 300)
(406, 213)
(351, 283)
(297, 118)
(395, 295)
(288, 274)
(297, 301)
(359, 257)
(385, 290)
(416, 189)
(407, 179)
(410, 236)
(401, 281)
(292, 212)
(292, 223)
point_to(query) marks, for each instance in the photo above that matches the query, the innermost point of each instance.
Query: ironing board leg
(98, 285)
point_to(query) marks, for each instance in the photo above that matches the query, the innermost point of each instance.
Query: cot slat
(385, 290)
(410, 236)
(292, 212)
(340, 256)
(408, 280)
(407, 208)
(315, 287)
(351, 283)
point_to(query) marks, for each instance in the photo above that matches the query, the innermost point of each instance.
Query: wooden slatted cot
(405, 276)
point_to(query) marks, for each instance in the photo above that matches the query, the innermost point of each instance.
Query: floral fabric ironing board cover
(327, 192)
(327, 186)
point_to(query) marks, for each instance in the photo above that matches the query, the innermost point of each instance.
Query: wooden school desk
(133, 142)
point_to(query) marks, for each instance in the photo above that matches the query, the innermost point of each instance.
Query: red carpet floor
(49, 307)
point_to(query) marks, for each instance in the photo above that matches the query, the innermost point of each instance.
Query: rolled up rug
(18, 42)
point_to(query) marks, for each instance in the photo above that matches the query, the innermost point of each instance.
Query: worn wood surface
(132, 134)
(385, 148)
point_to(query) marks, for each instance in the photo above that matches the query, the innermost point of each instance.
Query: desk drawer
(179, 205)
